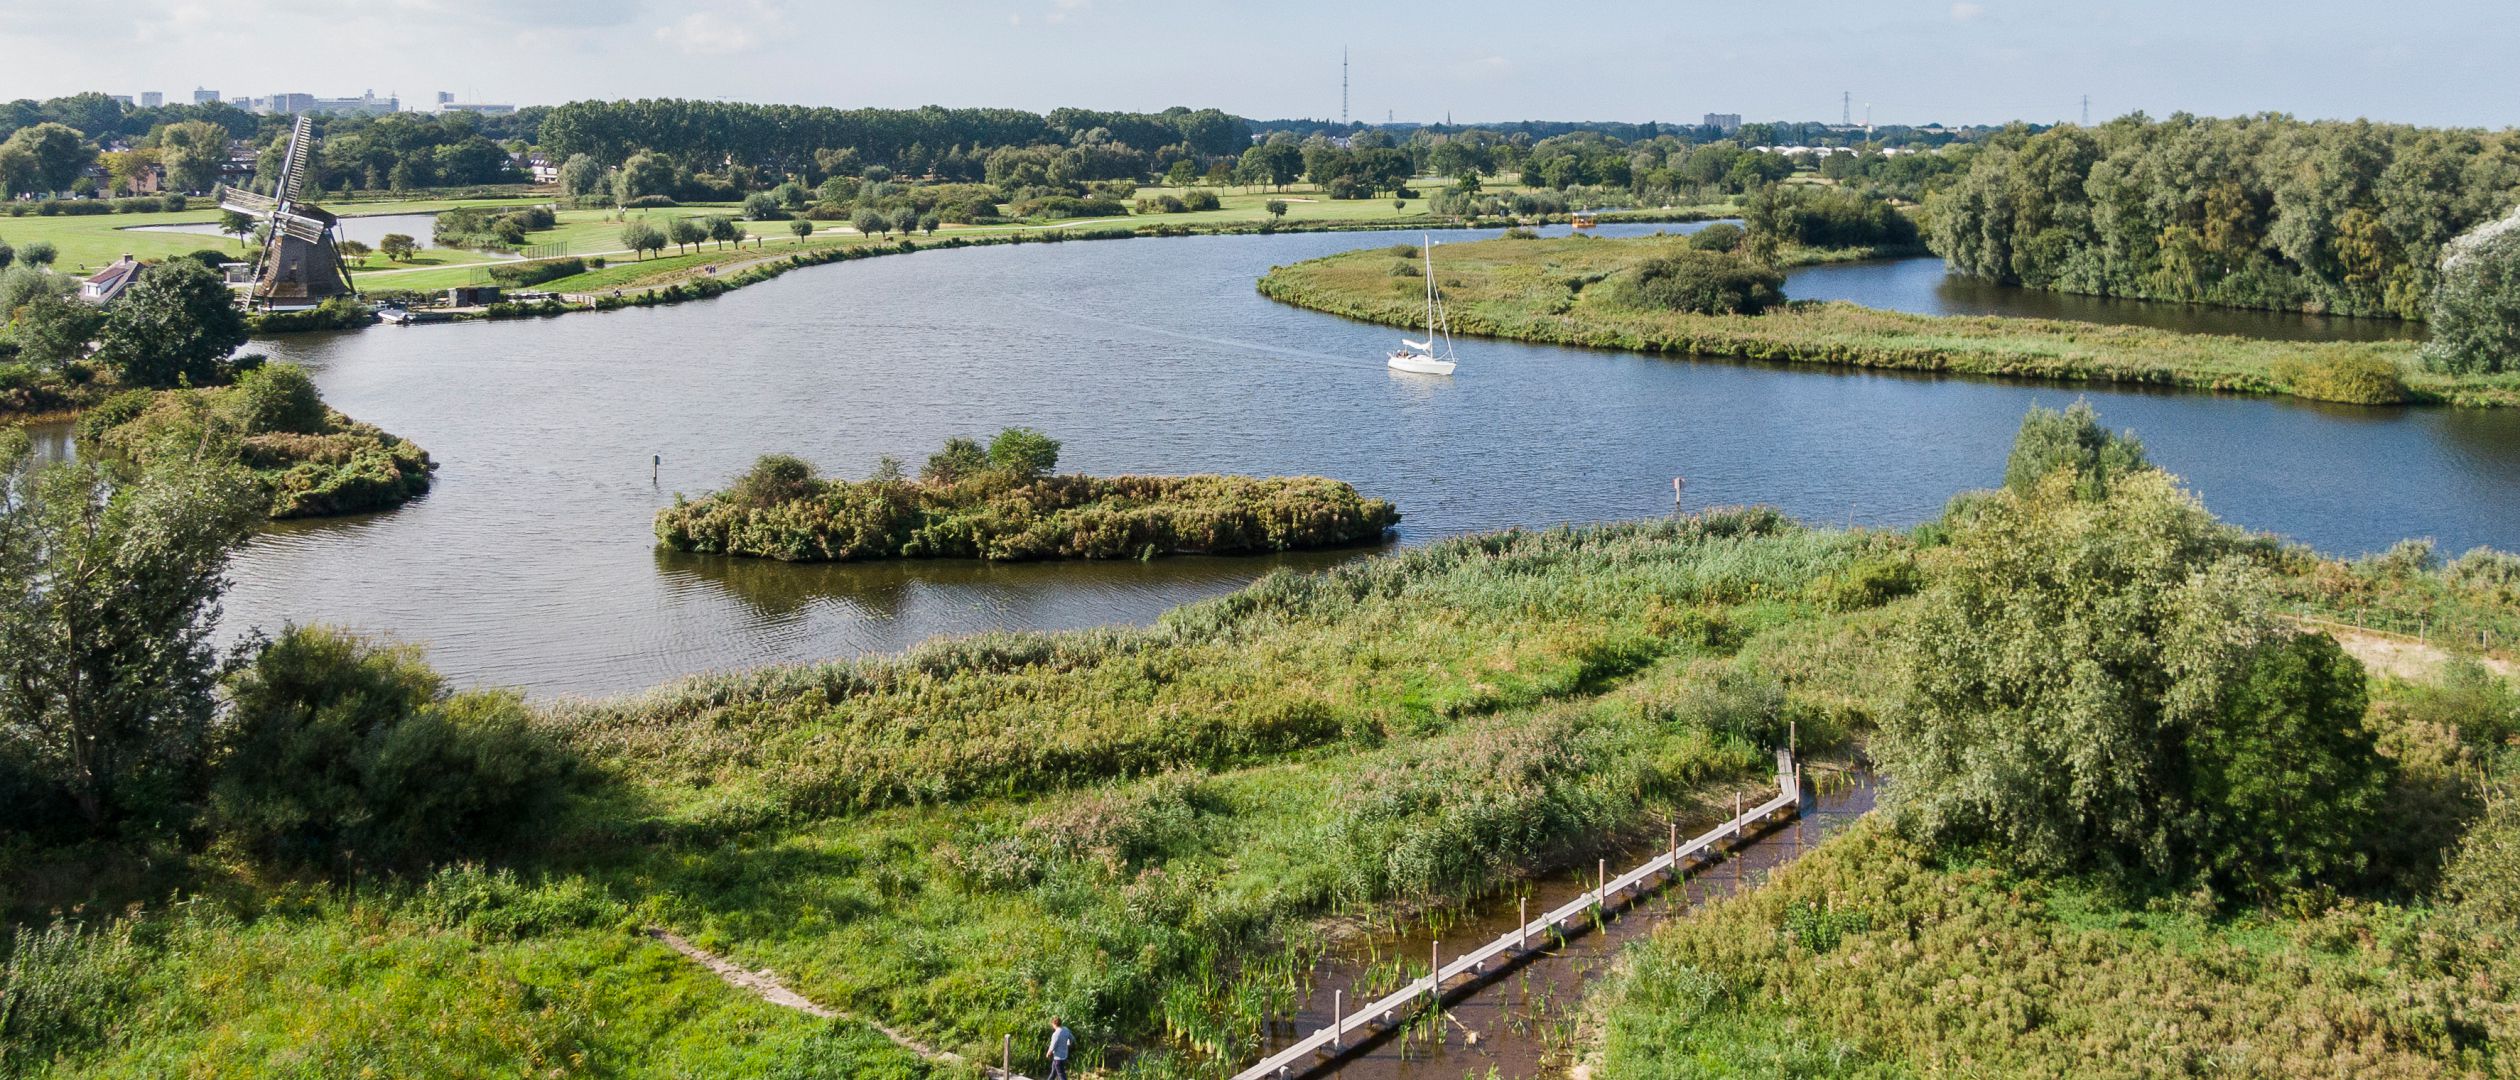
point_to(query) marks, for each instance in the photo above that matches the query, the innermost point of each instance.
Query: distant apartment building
(1724, 122)
(205, 97)
(150, 99)
(446, 103)
(124, 99)
(367, 102)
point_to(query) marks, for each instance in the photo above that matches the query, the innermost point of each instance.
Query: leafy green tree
(686, 232)
(581, 176)
(2072, 440)
(339, 753)
(2101, 685)
(928, 223)
(175, 327)
(645, 174)
(2476, 313)
(39, 253)
(961, 458)
(355, 251)
(722, 229)
(1276, 209)
(49, 158)
(7, 255)
(240, 226)
(641, 237)
(278, 398)
(1703, 283)
(399, 247)
(53, 328)
(800, 228)
(763, 206)
(870, 221)
(1024, 453)
(1720, 236)
(109, 599)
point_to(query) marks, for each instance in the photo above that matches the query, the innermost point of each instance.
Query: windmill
(299, 266)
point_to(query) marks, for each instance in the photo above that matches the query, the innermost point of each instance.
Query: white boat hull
(1420, 364)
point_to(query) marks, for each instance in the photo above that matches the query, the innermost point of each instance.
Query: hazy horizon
(1912, 61)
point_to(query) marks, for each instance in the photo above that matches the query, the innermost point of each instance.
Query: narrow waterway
(533, 563)
(1522, 1023)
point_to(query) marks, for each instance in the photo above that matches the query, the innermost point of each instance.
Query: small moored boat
(1421, 357)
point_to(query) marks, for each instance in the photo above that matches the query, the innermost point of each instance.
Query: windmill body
(299, 265)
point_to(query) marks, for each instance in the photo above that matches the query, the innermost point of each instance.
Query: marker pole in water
(656, 471)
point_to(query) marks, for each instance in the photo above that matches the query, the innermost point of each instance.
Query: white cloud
(1964, 11)
(1061, 9)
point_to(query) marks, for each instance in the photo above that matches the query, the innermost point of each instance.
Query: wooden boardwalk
(1516, 945)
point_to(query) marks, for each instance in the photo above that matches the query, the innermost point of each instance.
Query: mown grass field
(1544, 290)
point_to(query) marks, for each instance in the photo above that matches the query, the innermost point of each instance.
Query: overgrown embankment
(314, 461)
(1015, 510)
(1554, 291)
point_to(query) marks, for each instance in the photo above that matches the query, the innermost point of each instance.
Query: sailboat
(1420, 356)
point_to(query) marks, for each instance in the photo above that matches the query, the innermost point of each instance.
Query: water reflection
(1922, 286)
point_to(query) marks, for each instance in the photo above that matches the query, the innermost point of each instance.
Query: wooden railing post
(1006, 1057)
(1338, 1018)
(1522, 927)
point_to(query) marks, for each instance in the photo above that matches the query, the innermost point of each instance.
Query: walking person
(1061, 1040)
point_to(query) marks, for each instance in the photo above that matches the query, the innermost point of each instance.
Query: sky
(1912, 61)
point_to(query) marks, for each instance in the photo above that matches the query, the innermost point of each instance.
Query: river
(532, 564)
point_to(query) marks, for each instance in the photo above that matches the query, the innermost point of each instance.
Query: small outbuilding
(472, 296)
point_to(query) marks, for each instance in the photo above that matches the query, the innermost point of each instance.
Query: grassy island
(314, 461)
(1576, 291)
(1002, 503)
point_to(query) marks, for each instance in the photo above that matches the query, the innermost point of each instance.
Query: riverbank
(1155, 833)
(1541, 290)
(1004, 518)
(1147, 831)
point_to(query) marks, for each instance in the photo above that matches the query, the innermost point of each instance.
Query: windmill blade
(298, 225)
(245, 202)
(293, 164)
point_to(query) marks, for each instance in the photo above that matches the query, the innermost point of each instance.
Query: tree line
(800, 140)
(2263, 211)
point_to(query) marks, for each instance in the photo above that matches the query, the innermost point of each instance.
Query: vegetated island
(313, 461)
(1003, 502)
(1671, 294)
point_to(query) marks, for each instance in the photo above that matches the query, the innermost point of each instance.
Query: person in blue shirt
(1061, 1039)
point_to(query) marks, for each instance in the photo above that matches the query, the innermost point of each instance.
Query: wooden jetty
(1468, 969)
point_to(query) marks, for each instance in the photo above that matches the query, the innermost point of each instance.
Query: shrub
(1197, 199)
(764, 206)
(520, 274)
(2073, 440)
(278, 398)
(2352, 379)
(1701, 282)
(1720, 236)
(648, 202)
(774, 479)
(2098, 684)
(961, 457)
(1023, 453)
(340, 753)
(62, 986)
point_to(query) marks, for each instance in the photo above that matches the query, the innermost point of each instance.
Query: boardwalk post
(1522, 914)
(1338, 1018)
(1006, 1058)
(1435, 967)
(1790, 733)
(1601, 883)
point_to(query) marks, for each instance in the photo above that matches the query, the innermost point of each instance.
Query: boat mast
(1428, 242)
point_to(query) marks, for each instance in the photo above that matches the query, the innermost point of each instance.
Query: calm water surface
(1920, 285)
(532, 563)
